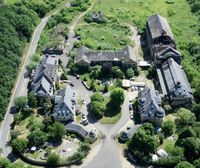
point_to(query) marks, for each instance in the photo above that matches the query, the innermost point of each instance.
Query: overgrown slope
(16, 27)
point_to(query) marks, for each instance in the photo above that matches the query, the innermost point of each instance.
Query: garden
(39, 137)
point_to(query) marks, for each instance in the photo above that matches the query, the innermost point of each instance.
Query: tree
(98, 108)
(151, 72)
(168, 127)
(4, 162)
(148, 128)
(169, 162)
(117, 97)
(53, 159)
(197, 93)
(143, 142)
(21, 102)
(18, 164)
(185, 117)
(185, 133)
(97, 97)
(85, 147)
(56, 131)
(37, 138)
(32, 100)
(117, 72)
(191, 148)
(130, 72)
(95, 72)
(184, 164)
(63, 76)
(196, 163)
(31, 66)
(196, 110)
(167, 108)
(19, 145)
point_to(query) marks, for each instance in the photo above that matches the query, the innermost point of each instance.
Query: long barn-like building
(161, 42)
(162, 46)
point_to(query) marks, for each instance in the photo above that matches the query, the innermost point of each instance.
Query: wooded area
(17, 24)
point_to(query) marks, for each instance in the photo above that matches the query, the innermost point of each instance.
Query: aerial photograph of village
(100, 83)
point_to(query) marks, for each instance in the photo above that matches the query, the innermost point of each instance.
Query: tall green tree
(185, 117)
(143, 142)
(19, 145)
(53, 159)
(98, 108)
(96, 72)
(37, 138)
(32, 100)
(191, 148)
(97, 97)
(130, 72)
(56, 131)
(184, 164)
(117, 97)
(21, 102)
(168, 127)
(4, 162)
(117, 72)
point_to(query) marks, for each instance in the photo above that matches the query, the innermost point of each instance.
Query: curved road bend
(20, 85)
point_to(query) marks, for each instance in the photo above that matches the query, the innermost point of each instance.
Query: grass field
(104, 37)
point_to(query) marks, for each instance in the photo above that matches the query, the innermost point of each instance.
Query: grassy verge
(111, 120)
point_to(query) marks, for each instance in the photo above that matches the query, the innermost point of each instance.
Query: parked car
(131, 116)
(84, 121)
(131, 158)
(123, 136)
(71, 84)
(130, 106)
(77, 76)
(93, 134)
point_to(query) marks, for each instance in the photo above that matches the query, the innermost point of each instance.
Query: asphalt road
(19, 89)
(109, 153)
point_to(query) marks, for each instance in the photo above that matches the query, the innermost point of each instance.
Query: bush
(184, 164)
(168, 127)
(53, 159)
(169, 162)
(4, 162)
(19, 145)
(63, 76)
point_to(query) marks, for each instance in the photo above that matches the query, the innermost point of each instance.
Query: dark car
(130, 107)
(71, 84)
(131, 158)
(123, 136)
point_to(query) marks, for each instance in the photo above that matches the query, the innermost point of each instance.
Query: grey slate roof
(65, 100)
(159, 25)
(84, 54)
(77, 129)
(149, 104)
(169, 52)
(45, 76)
(173, 80)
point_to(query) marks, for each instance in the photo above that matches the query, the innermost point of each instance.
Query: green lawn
(111, 119)
(112, 115)
(104, 37)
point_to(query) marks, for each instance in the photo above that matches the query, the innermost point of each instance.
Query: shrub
(53, 159)
(168, 128)
(19, 145)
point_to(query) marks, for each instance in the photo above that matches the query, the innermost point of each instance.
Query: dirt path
(137, 42)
